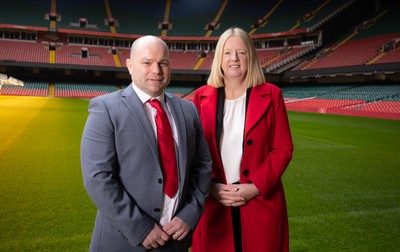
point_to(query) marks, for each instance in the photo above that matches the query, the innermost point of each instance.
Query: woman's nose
(234, 56)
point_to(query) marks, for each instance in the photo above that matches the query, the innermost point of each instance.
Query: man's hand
(157, 237)
(177, 228)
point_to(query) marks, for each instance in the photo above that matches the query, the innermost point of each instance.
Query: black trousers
(237, 228)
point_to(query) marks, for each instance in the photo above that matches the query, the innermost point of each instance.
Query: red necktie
(166, 149)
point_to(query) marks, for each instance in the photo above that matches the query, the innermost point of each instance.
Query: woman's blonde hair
(254, 75)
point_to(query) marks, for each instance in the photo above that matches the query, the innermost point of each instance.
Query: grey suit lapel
(134, 104)
(179, 119)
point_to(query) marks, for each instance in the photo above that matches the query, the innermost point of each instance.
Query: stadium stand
(82, 90)
(375, 100)
(123, 54)
(30, 88)
(24, 12)
(180, 91)
(390, 57)
(84, 55)
(311, 91)
(82, 15)
(191, 18)
(327, 55)
(354, 52)
(137, 17)
(206, 65)
(365, 44)
(23, 51)
(184, 60)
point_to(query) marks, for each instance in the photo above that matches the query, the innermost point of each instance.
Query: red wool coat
(267, 152)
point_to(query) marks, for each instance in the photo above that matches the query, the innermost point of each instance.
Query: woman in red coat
(247, 130)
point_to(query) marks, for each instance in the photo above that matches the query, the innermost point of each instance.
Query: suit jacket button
(249, 142)
(245, 172)
(157, 210)
(160, 181)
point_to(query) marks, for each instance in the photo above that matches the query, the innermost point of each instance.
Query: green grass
(43, 204)
(342, 186)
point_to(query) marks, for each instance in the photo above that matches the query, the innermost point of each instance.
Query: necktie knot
(155, 103)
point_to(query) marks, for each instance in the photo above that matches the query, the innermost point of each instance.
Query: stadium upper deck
(292, 39)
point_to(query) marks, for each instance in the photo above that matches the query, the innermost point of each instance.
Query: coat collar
(259, 101)
(208, 107)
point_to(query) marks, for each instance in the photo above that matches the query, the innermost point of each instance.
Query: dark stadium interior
(325, 55)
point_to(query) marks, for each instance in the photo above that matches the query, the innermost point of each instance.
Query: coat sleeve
(99, 169)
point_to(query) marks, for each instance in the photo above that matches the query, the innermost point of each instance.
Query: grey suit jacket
(122, 174)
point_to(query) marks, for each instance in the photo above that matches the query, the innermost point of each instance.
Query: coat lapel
(208, 113)
(208, 109)
(260, 98)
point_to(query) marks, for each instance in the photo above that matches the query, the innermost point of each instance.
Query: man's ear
(129, 65)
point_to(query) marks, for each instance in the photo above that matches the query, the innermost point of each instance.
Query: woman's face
(234, 59)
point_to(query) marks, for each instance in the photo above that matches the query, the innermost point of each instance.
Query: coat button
(245, 172)
(249, 142)
(157, 210)
(160, 181)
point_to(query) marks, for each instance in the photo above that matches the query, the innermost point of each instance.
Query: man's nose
(156, 68)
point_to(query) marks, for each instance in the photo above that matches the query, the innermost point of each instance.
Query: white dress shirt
(170, 205)
(232, 137)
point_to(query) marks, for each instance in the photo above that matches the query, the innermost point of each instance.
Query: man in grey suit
(121, 164)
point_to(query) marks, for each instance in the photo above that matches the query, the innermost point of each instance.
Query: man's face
(149, 68)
